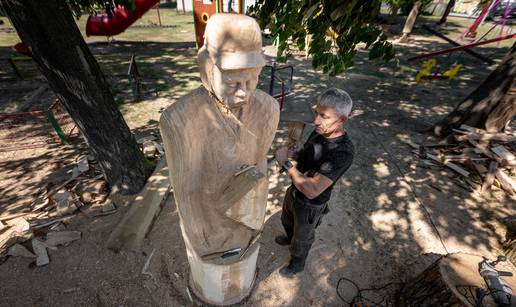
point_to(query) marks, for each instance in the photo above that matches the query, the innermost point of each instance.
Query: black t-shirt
(328, 157)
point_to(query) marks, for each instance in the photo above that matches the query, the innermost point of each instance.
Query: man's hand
(281, 155)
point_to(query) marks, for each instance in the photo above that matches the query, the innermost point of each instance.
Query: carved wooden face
(234, 87)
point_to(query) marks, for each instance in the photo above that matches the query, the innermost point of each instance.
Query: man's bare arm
(311, 187)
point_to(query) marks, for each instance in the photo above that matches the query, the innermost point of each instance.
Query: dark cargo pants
(300, 221)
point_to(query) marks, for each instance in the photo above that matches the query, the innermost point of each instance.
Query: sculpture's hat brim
(239, 60)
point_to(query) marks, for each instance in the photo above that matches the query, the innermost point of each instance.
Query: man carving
(216, 139)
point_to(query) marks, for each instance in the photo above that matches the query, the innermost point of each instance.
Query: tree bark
(450, 281)
(409, 23)
(491, 106)
(63, 57)
(447, 11)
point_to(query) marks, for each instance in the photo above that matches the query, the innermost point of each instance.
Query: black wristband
(288, 165)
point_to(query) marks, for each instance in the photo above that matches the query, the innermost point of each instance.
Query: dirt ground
(387, 220)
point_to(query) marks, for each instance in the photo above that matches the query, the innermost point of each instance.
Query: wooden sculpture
(216, 139)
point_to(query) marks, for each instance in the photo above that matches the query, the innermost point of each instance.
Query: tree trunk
(509, 246)
(409, 23)
(450, 281)
(491, 106)
(393, 14)
(447, 11)
(63, 57)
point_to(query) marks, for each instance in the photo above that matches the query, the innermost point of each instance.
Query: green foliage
(95, 6)
(406, 5)
(395, 3)
(335, 27)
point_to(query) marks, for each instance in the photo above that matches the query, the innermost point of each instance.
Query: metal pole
(459, 47)
(271, 84)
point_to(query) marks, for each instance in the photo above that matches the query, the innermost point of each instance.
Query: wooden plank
(461, 157)
(413, 145)
(507, 183)
(18, 231)
(14, 215)
(483, 150)
(481, 169)
(503, 153)
(468, 136)
(490, 176)
(472, 129)
(451, 165)
(135, 225)
(40, 250)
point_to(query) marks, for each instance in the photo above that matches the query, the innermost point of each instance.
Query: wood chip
(14, 215)
(149, 149)
(472, 129)
(483, 150)
(451, 165)
(159, 148)
(18, 250)
(468, 136)
(507, 183)
(83, 165)
(18, 230)
(65, 202)
(42, 224)
(481, 169)
(40, 250)
(503, 153)
(490, 176)
(61, 238)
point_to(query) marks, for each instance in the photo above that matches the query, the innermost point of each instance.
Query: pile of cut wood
(85, 192)
(482, 160)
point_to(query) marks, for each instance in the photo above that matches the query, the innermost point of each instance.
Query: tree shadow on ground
(386, 213)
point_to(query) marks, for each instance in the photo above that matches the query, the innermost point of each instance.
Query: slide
(119, 21)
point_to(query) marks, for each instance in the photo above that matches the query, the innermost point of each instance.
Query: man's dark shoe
(288, 272)
(282, 240)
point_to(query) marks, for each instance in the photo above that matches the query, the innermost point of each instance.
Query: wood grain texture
(135, 225)
(205, 148)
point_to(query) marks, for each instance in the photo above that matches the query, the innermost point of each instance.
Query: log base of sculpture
(219, 283)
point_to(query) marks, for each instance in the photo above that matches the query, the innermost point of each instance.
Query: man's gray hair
(338, 99)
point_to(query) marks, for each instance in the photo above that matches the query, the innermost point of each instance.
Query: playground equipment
(119, 21)
(135, 81)
(33, 129)
(462, 47)
(202, 10)
(286, 85)
(428, 72)
(471, 32)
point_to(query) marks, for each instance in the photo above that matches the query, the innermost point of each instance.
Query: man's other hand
(281, 155)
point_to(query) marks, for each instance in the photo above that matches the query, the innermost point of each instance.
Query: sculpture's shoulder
(266, 104)
(189, 103)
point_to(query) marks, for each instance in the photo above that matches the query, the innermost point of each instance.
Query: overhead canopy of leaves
(93, 7)
(336, 27)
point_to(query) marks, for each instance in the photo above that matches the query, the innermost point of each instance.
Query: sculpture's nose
(242, 90)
